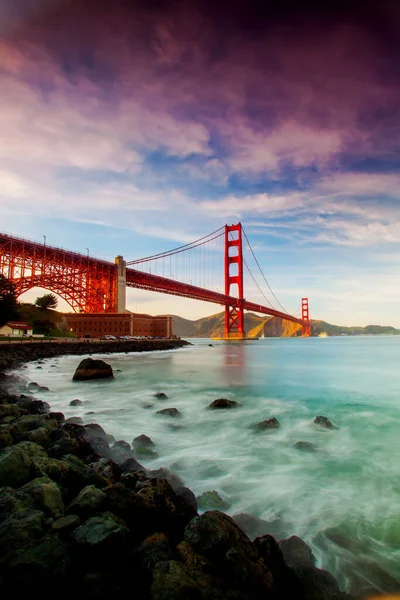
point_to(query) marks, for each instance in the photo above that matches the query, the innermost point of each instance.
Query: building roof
(18, 325)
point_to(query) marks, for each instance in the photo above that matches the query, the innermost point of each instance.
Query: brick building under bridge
(126, 323)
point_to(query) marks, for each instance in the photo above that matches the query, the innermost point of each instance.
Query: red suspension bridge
(194, 270)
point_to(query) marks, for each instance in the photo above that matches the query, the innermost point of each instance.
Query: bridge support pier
(234, 315)
(120, 285)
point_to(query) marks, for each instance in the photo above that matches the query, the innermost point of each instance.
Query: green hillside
(258, 326)
(43, 321)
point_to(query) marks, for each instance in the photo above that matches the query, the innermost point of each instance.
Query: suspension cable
(262, 274)
(183, 248)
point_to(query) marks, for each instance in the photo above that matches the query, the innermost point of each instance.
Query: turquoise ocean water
(343, 498)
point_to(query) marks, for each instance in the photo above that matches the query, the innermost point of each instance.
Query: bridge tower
(120, 284)
(305, 315)
(234, 315)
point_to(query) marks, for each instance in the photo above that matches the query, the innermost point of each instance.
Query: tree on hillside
(47, 301)
(8, 301)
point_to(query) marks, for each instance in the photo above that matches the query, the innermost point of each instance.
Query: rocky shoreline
(79, 515)
(14, 354)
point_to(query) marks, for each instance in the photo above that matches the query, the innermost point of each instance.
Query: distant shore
(12, 355)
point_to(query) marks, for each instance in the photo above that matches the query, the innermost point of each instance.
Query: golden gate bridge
(194, 270)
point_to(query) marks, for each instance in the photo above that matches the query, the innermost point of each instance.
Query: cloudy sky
(134, 127)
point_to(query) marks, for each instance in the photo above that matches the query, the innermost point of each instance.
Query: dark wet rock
(211, 500)
(187, 497)
(9, 410)
(305, 446)
(9, 502)
(160, 396)
(317, 584)
(271, 423)
(143, 441)
(324, 422)
(108, 469)
(57, 416)
(172, 581)
(152, 550)
(76, 402)
(64, 445)
(89, 369)
(33, 386)
(32, 406)
(78, 475)
(255, 527)
(43, 494)
(74, 420)
(105, 531)
(16, 465)
(91, 412)
(37, 567)
(297, 553)
(121, 451)
(5, 438)
(170, 512)
(122, 444)
(216, 536)
(285, 579)
(130, 466)
(131, 507)
(39, 367)
(169, 412)
(44, 388)
(40, 436)
(21, 527)
(89, 501)
(101, 448)
(145, 453)
(92, 431)
(223, 403)
(148, 405)
(172, 478)
(64, 526)
(131, 480)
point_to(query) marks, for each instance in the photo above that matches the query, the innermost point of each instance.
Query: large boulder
(88, 502)
(216, 536)
(42, 493)
(105, 530)
(16, 464)
(89, 369)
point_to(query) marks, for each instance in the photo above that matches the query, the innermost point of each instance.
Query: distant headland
(258, 326)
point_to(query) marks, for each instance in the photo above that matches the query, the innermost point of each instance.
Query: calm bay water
(343, 499)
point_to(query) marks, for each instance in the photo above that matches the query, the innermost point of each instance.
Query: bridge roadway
(156, 283)
(55, 265)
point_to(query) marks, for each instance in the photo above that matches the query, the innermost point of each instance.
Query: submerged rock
(324, 422)
(169, 412)
(160, 396)
(223, 403)
(143, 441)
(76, 402)
(92, 369)
(305, 446)
(271, 423)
